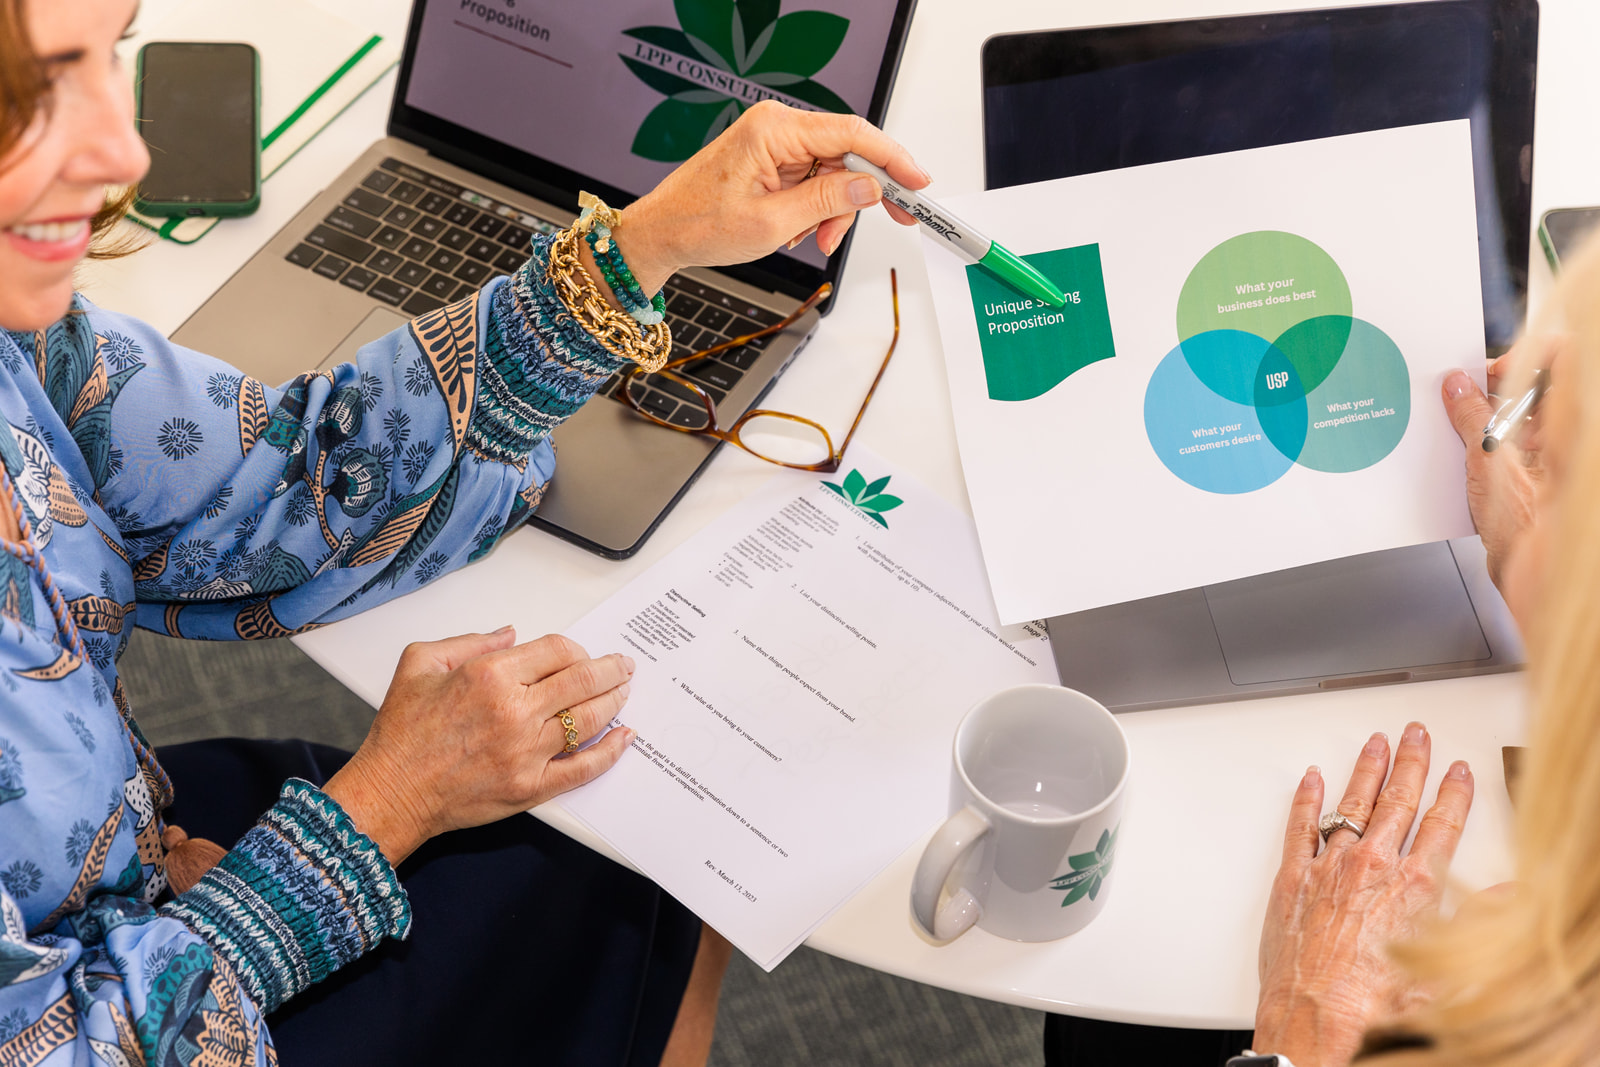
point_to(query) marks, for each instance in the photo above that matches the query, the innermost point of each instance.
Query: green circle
(1360, 411)
(1263, 283)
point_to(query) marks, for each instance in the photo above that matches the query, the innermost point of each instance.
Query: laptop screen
(1123, 96)
(611, 95)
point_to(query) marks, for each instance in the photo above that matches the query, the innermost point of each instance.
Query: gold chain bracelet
(618, 332)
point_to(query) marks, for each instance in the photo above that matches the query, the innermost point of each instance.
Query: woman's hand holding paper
(1502, 492)
(470, 732)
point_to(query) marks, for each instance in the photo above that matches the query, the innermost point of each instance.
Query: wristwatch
(1248, 1058)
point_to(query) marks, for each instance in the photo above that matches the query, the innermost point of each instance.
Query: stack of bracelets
(614, 269)
(642, 334)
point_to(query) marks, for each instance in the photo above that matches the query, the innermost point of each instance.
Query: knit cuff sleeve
(538, 367)
(302, 894)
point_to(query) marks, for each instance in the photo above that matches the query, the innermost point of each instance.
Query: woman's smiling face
(81, 141)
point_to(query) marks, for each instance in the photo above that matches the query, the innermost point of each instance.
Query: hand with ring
(476, 728)
(1326, 975)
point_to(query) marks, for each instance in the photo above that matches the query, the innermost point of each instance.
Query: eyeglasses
(775, 436)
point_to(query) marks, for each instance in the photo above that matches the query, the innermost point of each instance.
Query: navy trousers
(525, 946)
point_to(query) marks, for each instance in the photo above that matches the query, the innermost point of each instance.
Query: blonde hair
(1517, 975)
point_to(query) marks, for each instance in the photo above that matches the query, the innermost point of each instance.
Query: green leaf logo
(1089, 870)
(869, 499)
(725, 56)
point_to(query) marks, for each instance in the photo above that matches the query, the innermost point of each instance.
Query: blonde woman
(1354, 963)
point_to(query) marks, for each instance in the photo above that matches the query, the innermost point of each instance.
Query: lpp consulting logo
(866, 497)
(725, 56)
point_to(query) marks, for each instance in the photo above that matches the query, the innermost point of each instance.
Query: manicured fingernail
(1377, 744)
(1415, 732)
(1456, 384)
(624, 689)
(504, 629)
(627, 662)
(863, 191)
(630, 734)
(1459, 769)
(1313, 773)
(923, 171)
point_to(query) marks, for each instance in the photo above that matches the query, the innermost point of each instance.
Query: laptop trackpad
(375, 325)
(1382, 611)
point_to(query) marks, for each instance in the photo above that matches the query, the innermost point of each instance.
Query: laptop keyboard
(416, 241)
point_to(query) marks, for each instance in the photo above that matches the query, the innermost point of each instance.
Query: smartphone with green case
(1563, 229)
(199, 112)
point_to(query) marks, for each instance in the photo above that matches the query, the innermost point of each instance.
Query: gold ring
(812, 173)
(572, 732)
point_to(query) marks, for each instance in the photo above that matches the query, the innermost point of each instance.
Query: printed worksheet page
(1245, 376)
(802, 664)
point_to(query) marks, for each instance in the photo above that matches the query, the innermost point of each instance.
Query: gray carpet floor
(813, 1009)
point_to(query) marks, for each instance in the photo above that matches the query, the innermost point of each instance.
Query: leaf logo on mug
(1089, 870)
(1037, 772)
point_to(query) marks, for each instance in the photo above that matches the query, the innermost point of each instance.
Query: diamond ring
(1335, 820)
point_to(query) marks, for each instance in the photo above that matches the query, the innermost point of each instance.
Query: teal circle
(1370, 377)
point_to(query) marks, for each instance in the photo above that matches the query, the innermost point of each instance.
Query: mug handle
(950, 842)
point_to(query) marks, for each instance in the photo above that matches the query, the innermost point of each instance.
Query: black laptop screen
(1080, 101)
(621, 91)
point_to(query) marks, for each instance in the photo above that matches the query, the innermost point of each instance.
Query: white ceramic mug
(1036, 807)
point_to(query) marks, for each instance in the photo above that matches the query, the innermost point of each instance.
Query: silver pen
(1514, 412)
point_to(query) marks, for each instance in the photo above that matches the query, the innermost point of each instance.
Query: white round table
(1176, 945)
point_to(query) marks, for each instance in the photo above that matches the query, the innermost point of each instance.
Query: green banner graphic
(1030, 348)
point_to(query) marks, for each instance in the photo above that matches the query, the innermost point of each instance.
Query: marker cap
(1021, 275)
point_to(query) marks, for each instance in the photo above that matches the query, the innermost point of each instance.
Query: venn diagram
(1272, 369)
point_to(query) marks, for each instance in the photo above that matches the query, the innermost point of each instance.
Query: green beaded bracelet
(614, 269)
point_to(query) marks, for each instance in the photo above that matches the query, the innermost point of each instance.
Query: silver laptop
(1407, 615)
(1123, 96)
(498, 121)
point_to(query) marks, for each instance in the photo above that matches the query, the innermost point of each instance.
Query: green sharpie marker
(962, 239)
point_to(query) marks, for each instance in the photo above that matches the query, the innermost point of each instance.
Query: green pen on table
(962, 239)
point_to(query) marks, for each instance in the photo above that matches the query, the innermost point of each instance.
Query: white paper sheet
(1249, 377)
(802, 664)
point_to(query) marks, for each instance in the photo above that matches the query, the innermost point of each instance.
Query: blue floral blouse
(159, 486)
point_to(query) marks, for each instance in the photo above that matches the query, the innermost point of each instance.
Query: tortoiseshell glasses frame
(835, 456)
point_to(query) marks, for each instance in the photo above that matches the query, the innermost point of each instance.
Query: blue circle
(1226, 361)
(1215, 443)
